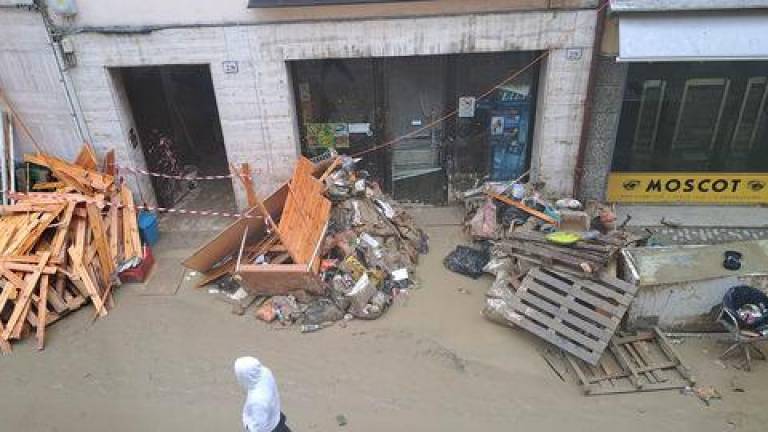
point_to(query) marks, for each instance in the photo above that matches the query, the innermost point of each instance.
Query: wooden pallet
(634, 363)
(577, 315)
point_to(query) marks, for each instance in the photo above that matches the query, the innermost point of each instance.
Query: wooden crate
(634, 363)
(577, 315)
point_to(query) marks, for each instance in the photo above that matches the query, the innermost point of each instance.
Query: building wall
(30, 80)
(106, 13)
(607, 101)
(256, 104)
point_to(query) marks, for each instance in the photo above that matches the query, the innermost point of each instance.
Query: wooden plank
(22, 302)
(563, 313)
(55, 299)
(42, 313)
(100, 241)
(62, 230)
(575, 290)
(86, 158)
(554, 324)
(281, 279)
(89, 285)
(610, 292)
(523, 207)
(227, 242)
(115, 229)
(29, 268)
(12, 278)
(42, 186)
(305, 214)
(549, 304)
(131, 240)
(110, 167)
(556, 339)
(247, 180)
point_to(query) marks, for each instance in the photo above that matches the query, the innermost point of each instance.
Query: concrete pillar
(601, 139)
(559, 115)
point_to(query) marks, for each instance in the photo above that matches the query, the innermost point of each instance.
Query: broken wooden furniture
(61, 249)
(301, 213)
(577, 315)
(634, 363)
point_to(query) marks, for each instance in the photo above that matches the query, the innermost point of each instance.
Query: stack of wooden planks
(582, 257)
(61, 248)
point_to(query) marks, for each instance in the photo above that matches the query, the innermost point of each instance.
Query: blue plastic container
(148, 227)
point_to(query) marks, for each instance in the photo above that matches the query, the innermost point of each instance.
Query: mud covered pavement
(162, 361)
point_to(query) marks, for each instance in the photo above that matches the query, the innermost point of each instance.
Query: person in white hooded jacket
(261, 412)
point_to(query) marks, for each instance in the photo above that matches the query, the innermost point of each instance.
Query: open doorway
(177, 125)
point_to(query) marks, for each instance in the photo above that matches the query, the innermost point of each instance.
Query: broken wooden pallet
(60, 249)
(634, 363)
(579, 316)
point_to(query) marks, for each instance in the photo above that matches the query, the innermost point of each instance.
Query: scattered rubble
(63, 245)
(330, 244)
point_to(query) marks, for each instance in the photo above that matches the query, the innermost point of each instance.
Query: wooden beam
(523, 207)
(23, 301)
(90, 287)
(42, 313)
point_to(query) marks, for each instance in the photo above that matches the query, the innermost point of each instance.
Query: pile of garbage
(363, 260)
(520, 237)
(367, 256)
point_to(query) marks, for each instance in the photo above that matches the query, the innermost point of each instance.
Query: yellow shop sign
(698, 187)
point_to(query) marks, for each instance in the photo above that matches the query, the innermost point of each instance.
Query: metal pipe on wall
(69, 90)
(3, 159)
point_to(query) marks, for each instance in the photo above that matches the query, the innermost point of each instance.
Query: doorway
(176, 123)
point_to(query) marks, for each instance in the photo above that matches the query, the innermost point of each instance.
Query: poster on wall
(497, 126)
(467, 106)
(327, 135)
(696, 187)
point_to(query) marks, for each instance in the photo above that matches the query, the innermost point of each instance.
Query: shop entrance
(352, 105)
(176, 123)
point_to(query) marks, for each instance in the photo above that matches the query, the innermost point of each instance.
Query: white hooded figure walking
(261, 412)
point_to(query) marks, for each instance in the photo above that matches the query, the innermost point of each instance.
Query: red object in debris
(328, 264)
(139, 273)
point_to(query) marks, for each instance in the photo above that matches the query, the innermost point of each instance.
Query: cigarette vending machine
(509, 115)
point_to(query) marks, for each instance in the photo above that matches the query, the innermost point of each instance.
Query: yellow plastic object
(563, 237)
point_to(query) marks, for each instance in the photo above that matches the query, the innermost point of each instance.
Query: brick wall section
(256, 104)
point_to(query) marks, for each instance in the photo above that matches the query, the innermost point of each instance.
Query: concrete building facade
(84, 99)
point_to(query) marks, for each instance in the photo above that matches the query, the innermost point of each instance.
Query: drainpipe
(54, 40)
(586, 123)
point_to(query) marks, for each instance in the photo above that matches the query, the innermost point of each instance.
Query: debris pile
(62, 246)
(329, 245)
(556, 277)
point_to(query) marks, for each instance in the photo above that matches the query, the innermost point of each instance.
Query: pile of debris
(62, 246)
(556, 277)
(329, 245)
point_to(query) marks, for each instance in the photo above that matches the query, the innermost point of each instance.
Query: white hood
(261, 412)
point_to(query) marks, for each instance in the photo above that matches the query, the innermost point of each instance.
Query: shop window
(694, 117)
(352, 105)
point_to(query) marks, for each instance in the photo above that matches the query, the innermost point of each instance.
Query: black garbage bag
(467, 261)
(513, 216)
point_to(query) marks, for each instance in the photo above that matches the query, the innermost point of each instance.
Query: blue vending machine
(509, 117)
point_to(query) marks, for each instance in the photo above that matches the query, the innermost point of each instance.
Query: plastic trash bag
(483, 223)
(467, 261)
